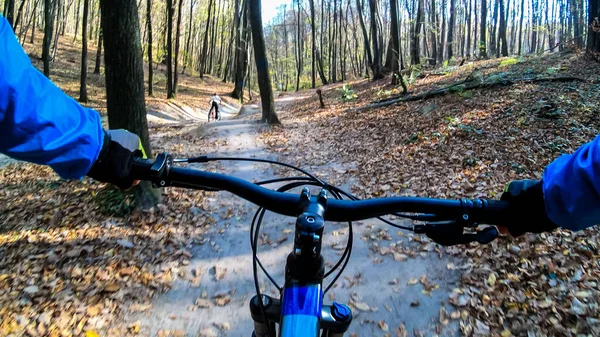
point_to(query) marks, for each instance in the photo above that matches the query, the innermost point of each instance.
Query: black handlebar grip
(140, 168)
(496, 212)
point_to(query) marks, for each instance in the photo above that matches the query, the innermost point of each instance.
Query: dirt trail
(378, 281)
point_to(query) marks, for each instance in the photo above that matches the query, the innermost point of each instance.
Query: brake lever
(450, 233)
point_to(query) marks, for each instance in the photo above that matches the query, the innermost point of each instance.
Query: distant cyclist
(215, 100)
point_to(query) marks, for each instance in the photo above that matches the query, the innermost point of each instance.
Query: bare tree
(177, 33)
(125, 80)
(170, 13)
(149, 32)
(83, 96)
(262, 64)
(48, 29)
(203, 58)
(451, 29)
(376, 65)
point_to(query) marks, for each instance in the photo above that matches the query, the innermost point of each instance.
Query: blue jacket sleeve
(38, 122)
(571, 187)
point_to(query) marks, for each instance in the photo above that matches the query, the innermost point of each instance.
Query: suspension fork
(301, 311)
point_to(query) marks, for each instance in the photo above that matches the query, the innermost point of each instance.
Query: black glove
(527, 201)
(115, 159)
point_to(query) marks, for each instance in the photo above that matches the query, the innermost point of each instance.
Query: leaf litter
(470, 146)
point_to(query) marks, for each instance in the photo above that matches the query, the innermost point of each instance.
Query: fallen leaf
(415, 303)
(202, 303)
(413, 281)
(222, 301)
(112, 288)
(219, 273)
(362, 306)
(383, 325)
(91, 333)
(400, 257)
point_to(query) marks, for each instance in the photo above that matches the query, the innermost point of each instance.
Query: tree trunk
(83, 97)
(48, 29)
(442, 33)
(77, 20)
(494, 23)
(359, 9)
(262, 65)
(125, 80)
(503, 29)
(483, 30)
(177, 33)
(149, 29)
(468, 44)
(532, 48)
(19, 13)
(451, 29)
(241, 64)
(433, 38)
(186, 58)
(395, 35)
(9, 11)
(298, 48)
(415, 57)
(203, 58)
(285, 43)
(376, 65)
(593, 42)
(314, 43)
(333, 63)
(99, 53)
(213, 42)
(520, 43)
(34, 17)
(170, 13)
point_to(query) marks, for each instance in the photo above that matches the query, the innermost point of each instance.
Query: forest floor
(71, 266)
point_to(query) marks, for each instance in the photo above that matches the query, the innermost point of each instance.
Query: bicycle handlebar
(162, 173)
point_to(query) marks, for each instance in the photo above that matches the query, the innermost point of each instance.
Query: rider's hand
(115, 159)
(527, 201)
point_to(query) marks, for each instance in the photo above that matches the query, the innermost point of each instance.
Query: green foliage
(114, 202)
(556, 69)
(509, 62)
(347, 93)
(466, 94)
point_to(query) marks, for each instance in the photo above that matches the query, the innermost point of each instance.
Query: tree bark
(593, 42)
(533, 46)
(483, 30)
(34, 17)
(367, 47)
(203, 57)
(521, 27)
(443, 33)
(149, 30)
(299, 44)
(451, 29)
(170, 13)
(83, 97)
(125, 80)
(186, 58)
(376, 65)
(502, 31)
(48, 29)
(432, 18)
(241, 64)
(262, 65)
(314, 43)
(77, 20)
(9, 12)
(177, 33)
(19, 13)
(468, 44)
(415, 57)
(395, 35)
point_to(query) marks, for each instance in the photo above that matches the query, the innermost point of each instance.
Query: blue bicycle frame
(301, 310)
(301, 313)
